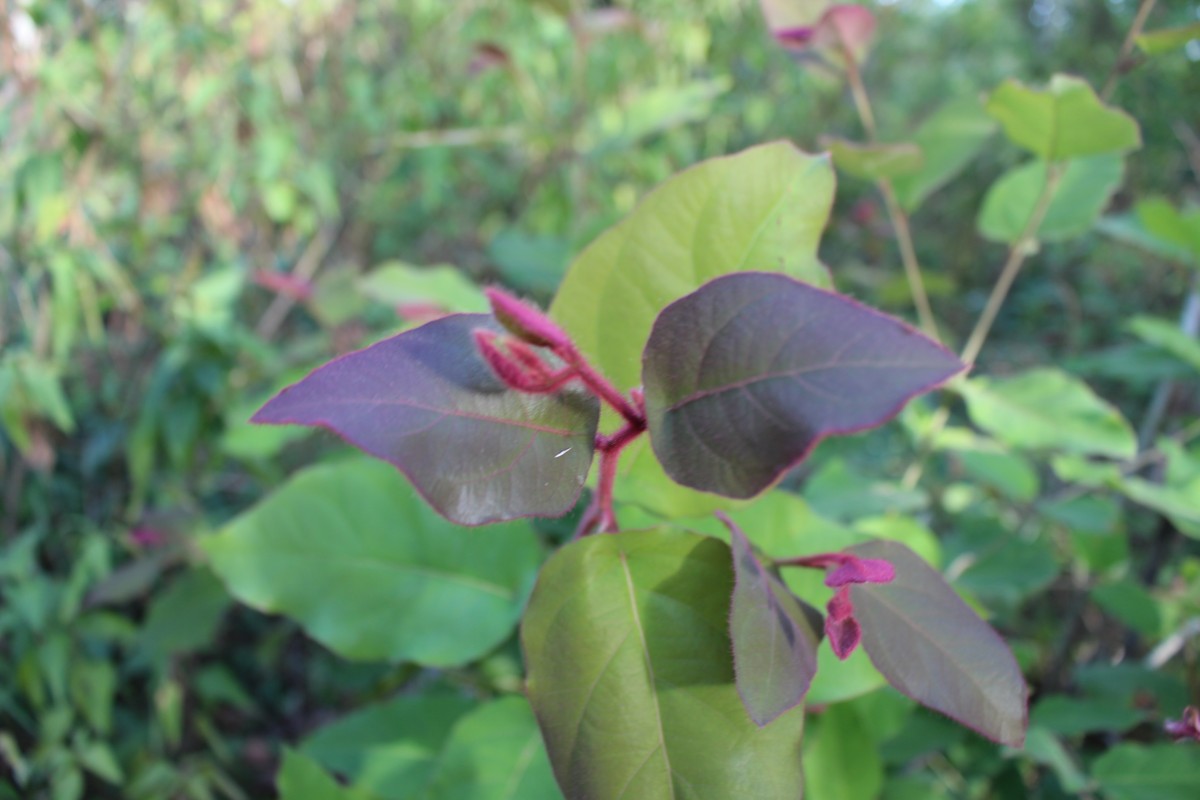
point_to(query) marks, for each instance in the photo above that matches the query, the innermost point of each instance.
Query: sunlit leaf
(932, 647)
(1081, 195)
(874, 161)
(1064, 120)
(631, 675)
(428, 403)
(1047, 409)
(354, 555)
(744, 376)
(1165, 40)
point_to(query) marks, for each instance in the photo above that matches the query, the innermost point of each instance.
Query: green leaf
(1163, 220)
(1180, 503)
(1129, 602)
(874, 161)
(1156, 772)
(1047, 409)
(494, 753)
(1065, 120)
(396, 581)
(1075, 716)
(1167, 336)
(1081, 195)
(185, 616)
(302, 779)
(839, 762)
(744, 376)
(1044, 747)
(948, 140)
(1165, 40)
(763, 208)
(390, 749)
(631, 675)
(933, 648)
(443, 286)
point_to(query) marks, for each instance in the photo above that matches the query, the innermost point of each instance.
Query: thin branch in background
(899, 220)
(306, 267)
(1120, 65)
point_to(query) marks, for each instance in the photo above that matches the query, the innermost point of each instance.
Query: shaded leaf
(1047, 409)
(494, 753)
(774, 636)
(389, 749)
(428, 403)
(350, 552)
(1080, 197)
(874, 161)
(839, 761)
(932, 647)
(744, 376)
(1156, 772)
(1075, 716)
(627, 641)
(948, 141)
(300, 778)
(1064, 120)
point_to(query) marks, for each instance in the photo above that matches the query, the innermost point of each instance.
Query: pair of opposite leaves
(741, 378)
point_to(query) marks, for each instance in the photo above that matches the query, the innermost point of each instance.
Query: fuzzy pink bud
(841, 627)
(524, 321)
(1186, 728)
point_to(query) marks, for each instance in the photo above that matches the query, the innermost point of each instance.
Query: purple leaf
(427, 402)
(746, 374)
(821, 27)
(933, 648)
(774, 636)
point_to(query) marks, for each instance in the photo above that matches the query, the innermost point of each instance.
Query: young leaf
(874, 161)
(744, 376)
(774, 636)
(630, 675)
(427, 402)
(1065, 120)
(948, 140)
(1081, 195)
(824, 28)
(349, 551)
(932, 647)
(1047, 409)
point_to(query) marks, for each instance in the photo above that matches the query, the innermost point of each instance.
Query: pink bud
(1186, 728)
(840, 626)
(524, 321)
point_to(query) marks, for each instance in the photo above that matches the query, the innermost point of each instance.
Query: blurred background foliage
(202, 199)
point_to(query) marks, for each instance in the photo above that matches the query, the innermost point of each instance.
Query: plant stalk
(1135, 30)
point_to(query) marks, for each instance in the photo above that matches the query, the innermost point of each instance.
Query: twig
(1135, 30)
(896, 215)
(307, 265)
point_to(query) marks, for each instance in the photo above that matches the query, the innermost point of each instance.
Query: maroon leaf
(746, 374)
(774, 636)
(932, 647)
(427, 402)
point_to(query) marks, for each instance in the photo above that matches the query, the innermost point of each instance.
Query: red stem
(600, 385)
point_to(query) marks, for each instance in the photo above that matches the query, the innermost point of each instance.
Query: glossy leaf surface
(1048, 409)
(774, 636)
(428, 403)
(631, 675)
(932, 647)
(744, 376)
(403, 584)
(1081, 195)
(1064, 120)
(874, 161)
(948, 141)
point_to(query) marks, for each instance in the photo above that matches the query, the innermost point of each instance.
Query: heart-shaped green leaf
(1078, 199)
(350, 552)
(1065, 120)
(427, 402)
(631, 675)
(744, 376)
(932, 647)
